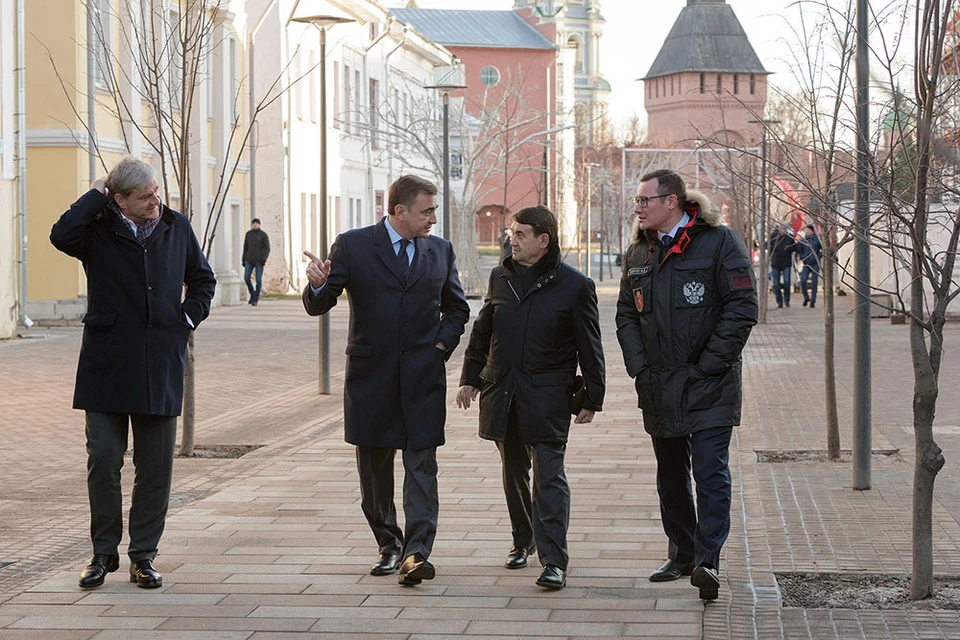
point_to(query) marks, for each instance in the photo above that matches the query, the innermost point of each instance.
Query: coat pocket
(706, 392)
(648, 397)
(99, 319)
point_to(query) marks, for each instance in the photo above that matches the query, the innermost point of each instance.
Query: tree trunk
(829, 342)
(188, 419)
(928, 463)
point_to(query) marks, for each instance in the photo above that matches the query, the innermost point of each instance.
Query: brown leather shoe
(143, 573)
(671, 570)
(94, 574)
(415, 569)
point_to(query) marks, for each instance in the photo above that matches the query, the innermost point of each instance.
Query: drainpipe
(386, 92)
(366, 82)
(91, 95)
(22, 161)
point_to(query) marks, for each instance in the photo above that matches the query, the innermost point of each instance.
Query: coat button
(149, 288)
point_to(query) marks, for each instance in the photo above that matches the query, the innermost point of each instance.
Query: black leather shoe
(707, 580)
(143, 573)
(386, 564)
(96, 572)
(671, 570)
(415, 569)
(517, 558)
(552, 577)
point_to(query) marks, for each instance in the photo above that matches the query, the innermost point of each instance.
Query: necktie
(666, 240)
(403, 257)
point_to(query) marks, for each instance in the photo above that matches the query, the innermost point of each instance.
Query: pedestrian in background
(810, 254)
(781, 247)
(538, 322)
(256, 250)
(407, 313)
(686, 307)
(137, 255)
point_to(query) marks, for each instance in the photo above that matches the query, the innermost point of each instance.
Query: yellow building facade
(134, 61)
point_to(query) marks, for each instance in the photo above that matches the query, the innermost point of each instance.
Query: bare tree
(161, 59)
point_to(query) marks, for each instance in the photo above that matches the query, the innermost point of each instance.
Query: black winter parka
(683, 317)
(524, 349)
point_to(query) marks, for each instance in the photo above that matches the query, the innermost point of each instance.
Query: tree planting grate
(818, 455)
(4, 564)
(223, 450)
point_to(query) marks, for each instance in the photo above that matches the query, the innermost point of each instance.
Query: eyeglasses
(643, 201)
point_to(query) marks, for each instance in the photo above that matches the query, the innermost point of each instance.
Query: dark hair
(541, 219)
(669, 182)
(406, 189)
(255, 221)
(811, 227)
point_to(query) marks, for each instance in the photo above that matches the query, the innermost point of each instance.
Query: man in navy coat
(407, 313)
(137, 255)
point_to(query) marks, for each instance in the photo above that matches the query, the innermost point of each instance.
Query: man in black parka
(137, 255)
(407, 313)
(686, 307)
(538, 321)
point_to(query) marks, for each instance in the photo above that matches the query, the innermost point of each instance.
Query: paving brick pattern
(273, 545)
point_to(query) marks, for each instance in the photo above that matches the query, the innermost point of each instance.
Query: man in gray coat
(407, 313)
(686, 307)
(137, 255)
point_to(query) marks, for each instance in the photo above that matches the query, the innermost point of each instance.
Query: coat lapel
(384, 250)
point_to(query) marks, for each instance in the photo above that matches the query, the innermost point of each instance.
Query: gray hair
(129, 174)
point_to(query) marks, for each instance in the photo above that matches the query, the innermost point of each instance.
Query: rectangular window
(703, 85)
(102, 44)
(374, 115)
(378, 199)
(456, 165)
(232, 61)
(356, 94)
(175, 79)
(208, 63)
(336, 95)
(347, 96)
(736, 84)
(753, 84)
(312, 93)
(719, 83)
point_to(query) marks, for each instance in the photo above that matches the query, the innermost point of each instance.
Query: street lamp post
(447, 83)
(322, 23)
(762, 276)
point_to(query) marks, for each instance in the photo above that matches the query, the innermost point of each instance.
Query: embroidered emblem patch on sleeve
(638, 299)
(740, 281)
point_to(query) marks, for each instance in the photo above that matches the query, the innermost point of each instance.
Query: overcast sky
(635, 31)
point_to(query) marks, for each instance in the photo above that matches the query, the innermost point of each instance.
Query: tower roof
(706, 37)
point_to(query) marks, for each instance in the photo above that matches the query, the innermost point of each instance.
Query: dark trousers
(695, 533)
(154, 439)
(809, 273)
(781, 285)
(543, 515)
(257, 270)
(421, 499)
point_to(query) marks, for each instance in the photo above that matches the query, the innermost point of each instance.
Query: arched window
(574, 42)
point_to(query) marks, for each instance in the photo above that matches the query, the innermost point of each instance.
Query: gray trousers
(154, 439)
(543, 515)
(421, 499)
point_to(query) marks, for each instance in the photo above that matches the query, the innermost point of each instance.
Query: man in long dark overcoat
(137, 255)
(407, 313)
(539, 320)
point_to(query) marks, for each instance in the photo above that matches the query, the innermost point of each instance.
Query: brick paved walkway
(273, 545)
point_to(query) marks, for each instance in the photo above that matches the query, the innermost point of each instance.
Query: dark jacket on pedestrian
(810, 252)
(683, 317)
(256, 247)
(395, 384)
(781, 247)
(135, 330)
(525, 347)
